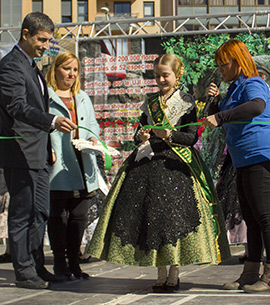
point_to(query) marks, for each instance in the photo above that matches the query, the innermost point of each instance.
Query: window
(122, 8)
(192, 2)
(248, 2)
(66, 11)
(82, 10)
(263, 2)
(224, 2)
(149, 10)
(37, 6)
(255, 2)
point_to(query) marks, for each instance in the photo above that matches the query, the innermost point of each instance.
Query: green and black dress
(162, 208)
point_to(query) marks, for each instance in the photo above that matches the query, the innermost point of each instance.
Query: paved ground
(118, 285)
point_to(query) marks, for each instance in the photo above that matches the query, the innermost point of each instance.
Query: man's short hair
(37, 21)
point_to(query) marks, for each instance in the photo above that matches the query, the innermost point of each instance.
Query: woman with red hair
(242, 114)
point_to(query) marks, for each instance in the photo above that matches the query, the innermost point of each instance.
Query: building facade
(212, 7)
(72, 11)
(62, 11)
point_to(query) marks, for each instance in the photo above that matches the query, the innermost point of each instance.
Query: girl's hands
(162, 133)
(144, 134)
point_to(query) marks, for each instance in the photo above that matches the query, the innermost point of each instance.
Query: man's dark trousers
(27, 218)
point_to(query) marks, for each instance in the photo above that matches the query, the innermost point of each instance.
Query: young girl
(161, 209)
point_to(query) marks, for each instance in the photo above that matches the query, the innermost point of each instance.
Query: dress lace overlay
(160, 201)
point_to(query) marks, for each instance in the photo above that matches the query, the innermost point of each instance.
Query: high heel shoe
(77, 271)
(159, 285)
(171, 287)
(61, 270)
(5, 258)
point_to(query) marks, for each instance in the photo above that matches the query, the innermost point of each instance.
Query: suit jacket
(23, 112)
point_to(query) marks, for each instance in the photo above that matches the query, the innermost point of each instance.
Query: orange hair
(236, 50)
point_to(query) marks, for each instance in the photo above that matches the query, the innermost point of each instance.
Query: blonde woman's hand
(53, 157)
(93, 140)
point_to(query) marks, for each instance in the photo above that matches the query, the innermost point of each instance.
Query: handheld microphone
(209, 100)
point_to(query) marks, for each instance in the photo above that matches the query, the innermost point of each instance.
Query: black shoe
(81, 275)
(61, 270)
(34, 282)
(83, 260)
(63, 277)
(171, 287)
(48, 276)
(159, 287)
(77, 271)
(242, 259)
(5, 258)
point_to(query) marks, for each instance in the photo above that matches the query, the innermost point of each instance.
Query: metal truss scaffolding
(169, 26)
(125, 27)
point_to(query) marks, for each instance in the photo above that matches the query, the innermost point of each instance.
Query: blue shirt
(248, 143)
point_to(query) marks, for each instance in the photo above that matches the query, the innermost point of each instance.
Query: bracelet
(140, 132)
(169, 139)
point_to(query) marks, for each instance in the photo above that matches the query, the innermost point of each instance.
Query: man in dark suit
(24, 114)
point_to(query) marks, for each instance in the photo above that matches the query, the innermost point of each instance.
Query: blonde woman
(73, 177)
